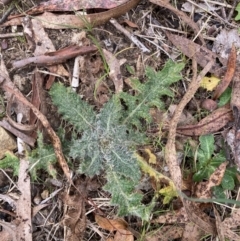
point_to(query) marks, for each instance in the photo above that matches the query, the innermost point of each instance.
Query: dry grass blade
(220, 230)
(182, 15)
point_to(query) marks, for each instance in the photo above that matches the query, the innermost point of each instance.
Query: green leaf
(124, 196)
(227, 182)
(238, 10)
(225, 97)
(107, 143)
(10, 161)
(130, 69)
(206, 149)
(149, 94)
(218, 192)
(107, 147)
(203, 173)
(207, 161)
(43, 157)
(77, 112)
(218, 159)
(232, 171)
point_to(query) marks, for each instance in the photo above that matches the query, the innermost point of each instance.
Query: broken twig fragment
(56, 57)
(130, 36)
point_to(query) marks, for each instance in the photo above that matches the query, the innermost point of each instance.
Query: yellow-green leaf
(152, 158)
(169, 191)
(209, 83)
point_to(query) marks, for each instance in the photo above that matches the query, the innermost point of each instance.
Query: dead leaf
(165, 233)
(123, 235)
(37, 208)
(225, 227)
(39, 35)
(210, 124)
(209, 83)
(202, 54)
(9, 231)
(220, 230)
(26, 139)
(192, 232)
(231, 66)
(179, 216)
(115, 72)
(63, 21)
(5, 235)
(223, 43)
(203, 189)
(130, 23)
(198, 217)
(111, 225)
(74, 218)
(37, 89)
(12, 104)
(73, 5)
(198, 8)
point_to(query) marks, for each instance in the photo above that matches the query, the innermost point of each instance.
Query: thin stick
(129, 35)
(54, 138)
(11, 35)
(182, 15)
(170, 149)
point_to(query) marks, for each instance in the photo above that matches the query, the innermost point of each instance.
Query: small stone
(7, 143)
(209, 105)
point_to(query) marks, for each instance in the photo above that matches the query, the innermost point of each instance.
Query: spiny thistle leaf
(148, 94)
(74, 110)
(42, 158)
(206, 149)
(123, 195)
(106, 145)
(10, 161)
